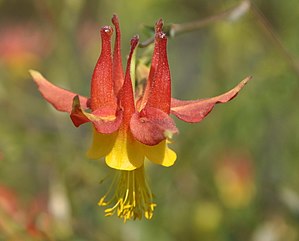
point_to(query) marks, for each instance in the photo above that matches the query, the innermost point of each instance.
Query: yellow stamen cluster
(132, 197)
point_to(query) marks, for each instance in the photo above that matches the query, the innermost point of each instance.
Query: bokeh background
(236, 176)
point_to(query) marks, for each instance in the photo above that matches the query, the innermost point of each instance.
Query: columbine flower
(129, 125)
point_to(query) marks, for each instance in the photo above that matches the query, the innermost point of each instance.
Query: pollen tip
(115, 20)
(134, 41)
(35, 74)
(249, 77)
(132, 198)
(159, 25)
(76, 101)
(161, 35)
(106, 31)
(168, 134)
(245, 81)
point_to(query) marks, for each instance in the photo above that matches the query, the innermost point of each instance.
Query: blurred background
(236, 176)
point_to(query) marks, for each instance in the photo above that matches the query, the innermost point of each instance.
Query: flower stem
(176, 29)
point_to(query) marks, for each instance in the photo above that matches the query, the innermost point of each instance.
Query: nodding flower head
(129, 127)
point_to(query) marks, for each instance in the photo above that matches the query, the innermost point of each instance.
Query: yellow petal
(101, 145)
(127, 153)
(161, 154)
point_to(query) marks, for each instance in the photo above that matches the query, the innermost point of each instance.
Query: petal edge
(102, 123)
(60, 98)
(151, 126)
(193, 111)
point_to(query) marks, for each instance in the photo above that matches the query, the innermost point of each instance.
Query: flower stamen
(132, 198)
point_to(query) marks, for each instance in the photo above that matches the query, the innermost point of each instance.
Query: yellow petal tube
(160, 154)
(127, 153)
(101, 145)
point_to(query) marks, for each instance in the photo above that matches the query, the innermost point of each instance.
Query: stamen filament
(132, 198)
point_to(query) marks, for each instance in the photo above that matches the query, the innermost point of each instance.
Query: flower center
(132, 197)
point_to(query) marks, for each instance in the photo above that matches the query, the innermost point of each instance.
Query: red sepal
(196, 110)
(60, 98)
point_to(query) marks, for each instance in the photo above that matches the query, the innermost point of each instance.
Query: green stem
(268, 29)
(176, 29)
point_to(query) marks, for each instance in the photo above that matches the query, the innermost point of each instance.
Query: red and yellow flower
(130, 126)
